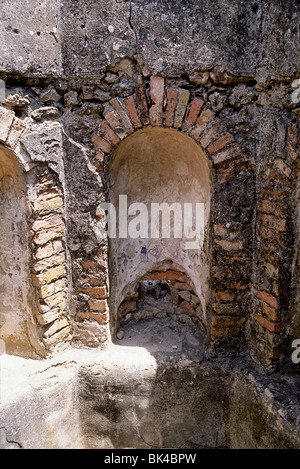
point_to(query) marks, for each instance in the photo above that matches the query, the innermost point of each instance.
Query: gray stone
(71, 99)
(241, 95)
(120, 335)
(16, 100)
(50, 95)
(6, 119)
(43, 113)
(218, 101)
(78, 40)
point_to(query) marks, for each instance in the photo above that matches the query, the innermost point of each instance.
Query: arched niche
(158, 165)
(17, 297)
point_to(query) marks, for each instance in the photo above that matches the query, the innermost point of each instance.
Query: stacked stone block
(49, 258)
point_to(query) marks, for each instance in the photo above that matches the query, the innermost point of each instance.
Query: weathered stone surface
(50, 95)
(46, 112)
(6, 119)
(186, 47)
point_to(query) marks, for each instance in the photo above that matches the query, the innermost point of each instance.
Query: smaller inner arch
(159, 182)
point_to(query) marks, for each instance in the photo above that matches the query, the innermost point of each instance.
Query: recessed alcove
(160, 294)
(18, 329)
(158, 176)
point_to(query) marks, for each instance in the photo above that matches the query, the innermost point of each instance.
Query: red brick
(101, 317)
(223, 258)
(109, 134)
(98, 305)
(230, 245)
(273, 208)
(131, 109)
(220, 230)
(142, 105)
(43, 237)
(227, 321)
(237, 163)
(278, 177)
(292, 152)
(186, 308)
(268, 298)
(48, 317)
(48, 250)
(127, 307)
(112, 119)
(276, 288)
(231, 168)
(172, 96)
(274, 327)
(46, 179)
(101, 143)
(157, 85)
(205, 117)
(49, 191)
(272, 236)
(274, 223)
(226, 309)
(167, 275)
(211, 134)
(96, 281)
(183, 286)
(45, 223)
(226, 326)
(96, 292)
(283, 167)
(229, 153)
(220, 143)
(90, 265)
(275, 194)
(271, 313)
(47, 204)
(223, 295)
(193, 113)
(293, 134)
(270, 256)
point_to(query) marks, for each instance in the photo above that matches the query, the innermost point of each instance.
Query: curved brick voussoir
(166, 107)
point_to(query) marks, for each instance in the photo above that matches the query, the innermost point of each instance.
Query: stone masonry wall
(242, 109)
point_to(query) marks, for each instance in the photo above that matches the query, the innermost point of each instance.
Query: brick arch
(44, 213)
(167, 107)
(176, 108)
(183, 303)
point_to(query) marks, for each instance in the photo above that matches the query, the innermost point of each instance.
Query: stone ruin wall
(83, 76)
